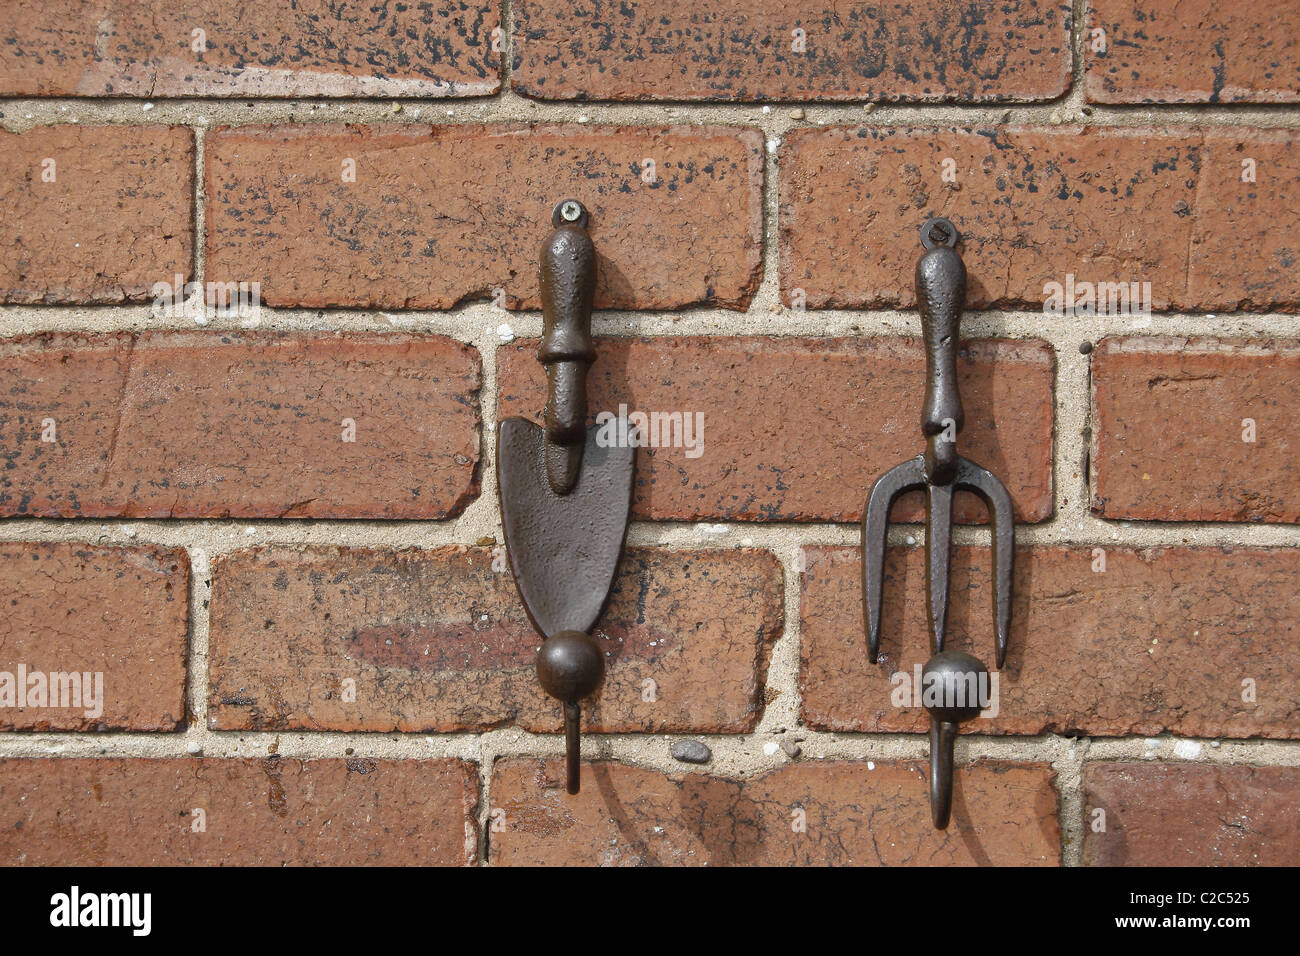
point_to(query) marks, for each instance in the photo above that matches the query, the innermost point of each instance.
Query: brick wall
(275, 534)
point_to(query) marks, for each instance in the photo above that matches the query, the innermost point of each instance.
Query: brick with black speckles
(440, 215)
(1107, 641)
(1175, 208)
(249, 424)
(255, 48)
(112, 622)
(1193, 51)
(95, 214)
(212, 811)
(743, 50)
(1185, 814)
(437, 640)
(1195, 429)
(796, 429)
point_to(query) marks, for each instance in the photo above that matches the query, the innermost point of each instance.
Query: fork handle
(940, 292)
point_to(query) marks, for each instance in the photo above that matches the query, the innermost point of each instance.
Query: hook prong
(573, 747)
(943, 734)
(956, 688)
(570, 666)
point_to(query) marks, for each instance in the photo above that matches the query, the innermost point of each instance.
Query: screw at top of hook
(939, 232)
(569, 212)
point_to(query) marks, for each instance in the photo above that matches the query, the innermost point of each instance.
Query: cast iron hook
(569, 664)
(565, 498)
(940, 292)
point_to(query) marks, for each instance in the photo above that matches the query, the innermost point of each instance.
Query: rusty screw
(938, 232)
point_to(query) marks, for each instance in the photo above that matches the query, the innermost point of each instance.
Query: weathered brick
(438, 640)
(1183, 814)
(1194, 51)
(213, 424)
(1195, 429)
(1168, 207)
(253, 48)
(853, 814)
(1104, 641)
(85, 610)
(440, 214)
(271, 812)
(94, 214)
(922, 50)
(797, 429)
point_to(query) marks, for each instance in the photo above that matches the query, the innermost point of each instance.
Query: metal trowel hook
(565, 499)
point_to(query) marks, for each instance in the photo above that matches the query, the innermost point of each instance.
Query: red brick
(1169, 429)
(441, 214)
(797, 429)
(1112, 205)
(117, 218)
(921, 50)
(254, 48)
(1159, 641)
(209, 424)
(438, 641)
(121, 613)
(1180, 814)
(1194, 51)
(272, 812)
(855, 814)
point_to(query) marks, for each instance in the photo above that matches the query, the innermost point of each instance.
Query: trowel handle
(568, 285)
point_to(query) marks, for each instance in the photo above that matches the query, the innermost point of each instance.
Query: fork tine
(910, 474)
(938, 559)
(986, 485)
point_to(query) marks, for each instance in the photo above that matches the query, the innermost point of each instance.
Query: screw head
(938, 231)
(569, 212)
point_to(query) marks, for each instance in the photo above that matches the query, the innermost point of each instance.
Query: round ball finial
(954, 686)
(570, 665)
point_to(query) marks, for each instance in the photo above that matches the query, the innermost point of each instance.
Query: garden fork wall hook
(940, 291)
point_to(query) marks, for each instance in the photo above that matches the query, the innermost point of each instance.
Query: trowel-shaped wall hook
(565, 499)
(950, 678)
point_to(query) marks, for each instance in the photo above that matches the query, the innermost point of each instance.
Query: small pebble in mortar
(691, 751)
(1187, 749)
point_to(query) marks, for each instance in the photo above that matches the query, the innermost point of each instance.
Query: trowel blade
(563, 549)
